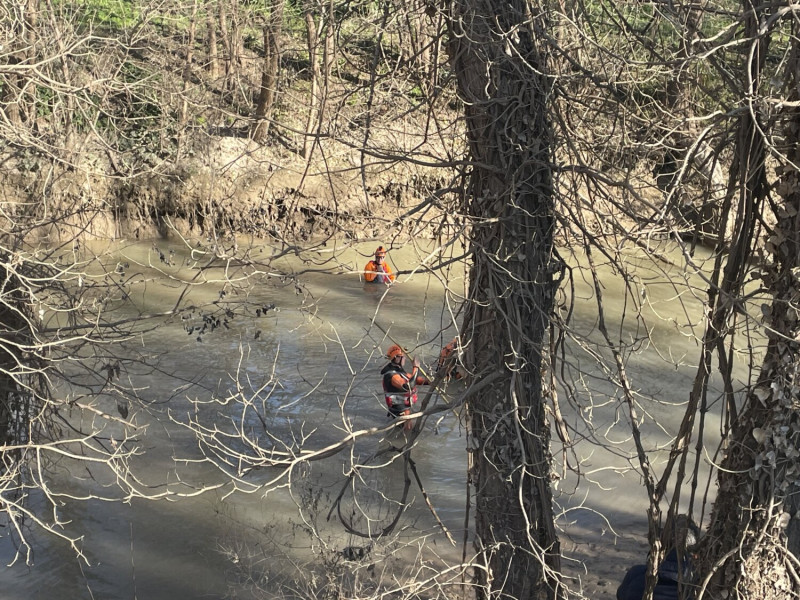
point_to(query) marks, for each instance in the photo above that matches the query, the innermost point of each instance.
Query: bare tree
(272, 30)
(751, 543)
(314, 101)
(500, 59)
(212, 43)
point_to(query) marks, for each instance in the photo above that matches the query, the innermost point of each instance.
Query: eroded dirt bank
(225, 185)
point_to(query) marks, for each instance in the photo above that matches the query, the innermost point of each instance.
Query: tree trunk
(330, 46)
(269, 75)
(745, 554)
(232, 41)
(15, 102)
(312, 40)
(227, 58)
(211, 43)
(187, 77)
(421, 41)
(502, 76)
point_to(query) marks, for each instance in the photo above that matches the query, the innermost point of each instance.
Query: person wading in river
(447, 361)
(400, 387)
(377, 271)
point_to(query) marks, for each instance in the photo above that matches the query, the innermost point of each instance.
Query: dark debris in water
(355, 553)
(207, 322)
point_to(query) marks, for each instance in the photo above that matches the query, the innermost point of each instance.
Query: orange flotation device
(377, 270)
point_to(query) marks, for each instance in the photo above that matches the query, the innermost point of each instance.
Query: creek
(309, 367)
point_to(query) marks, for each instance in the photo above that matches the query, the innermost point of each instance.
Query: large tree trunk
(745, 554)
(501, 69)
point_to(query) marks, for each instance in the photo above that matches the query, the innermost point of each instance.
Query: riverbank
(228, 185)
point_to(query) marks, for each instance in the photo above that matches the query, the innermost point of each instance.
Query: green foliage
(293, 17)
(107, 14)
(358, 8)
(44, 101)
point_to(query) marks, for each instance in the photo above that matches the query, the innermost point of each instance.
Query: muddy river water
(308, 365)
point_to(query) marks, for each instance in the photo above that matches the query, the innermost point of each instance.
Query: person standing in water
(400, 387)
(377, 270)
(447, 361)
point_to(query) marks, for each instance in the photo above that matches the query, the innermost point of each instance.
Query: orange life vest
(375, 273)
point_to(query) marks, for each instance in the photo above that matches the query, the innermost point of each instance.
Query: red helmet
(380, 251)
(394, 350)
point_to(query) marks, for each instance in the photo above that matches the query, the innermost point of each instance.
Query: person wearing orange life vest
(400, 387)
(377, 270)
(445, 361)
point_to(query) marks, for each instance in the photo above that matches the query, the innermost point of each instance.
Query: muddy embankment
(231, 186)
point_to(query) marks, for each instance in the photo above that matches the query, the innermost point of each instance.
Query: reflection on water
(296, 362)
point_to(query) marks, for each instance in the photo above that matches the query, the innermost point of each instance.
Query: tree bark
(211, 43)
(329, 49)
(745, 553)
(187, 76)
(269, 75)
(312, 124)
(501, 67)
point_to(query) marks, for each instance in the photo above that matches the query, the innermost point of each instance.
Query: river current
(306, 366)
